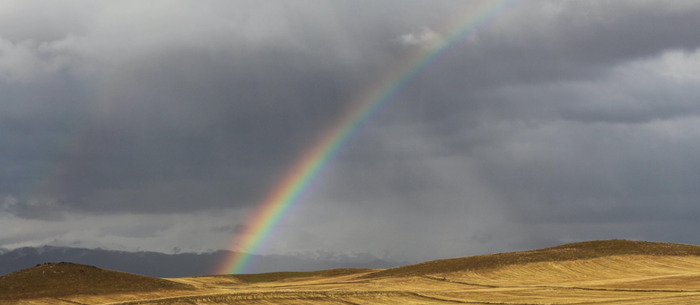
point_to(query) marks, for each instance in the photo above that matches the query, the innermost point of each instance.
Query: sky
(161, 125)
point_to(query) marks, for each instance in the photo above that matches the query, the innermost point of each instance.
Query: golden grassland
(599, 272)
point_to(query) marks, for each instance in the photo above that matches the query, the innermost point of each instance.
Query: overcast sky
(151, 125)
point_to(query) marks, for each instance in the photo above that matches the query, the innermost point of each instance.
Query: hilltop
(566, 252)
(64, 279)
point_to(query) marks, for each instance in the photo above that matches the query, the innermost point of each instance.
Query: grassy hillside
(598, 272)
(63, 279)
(567, 252)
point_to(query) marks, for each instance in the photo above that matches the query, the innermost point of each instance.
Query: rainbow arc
(300, 176)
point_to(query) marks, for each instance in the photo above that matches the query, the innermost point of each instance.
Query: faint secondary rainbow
(297, 179)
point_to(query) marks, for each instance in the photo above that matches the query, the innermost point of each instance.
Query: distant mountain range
(176, 265)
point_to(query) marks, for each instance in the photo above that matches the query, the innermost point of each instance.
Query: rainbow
(298, 178)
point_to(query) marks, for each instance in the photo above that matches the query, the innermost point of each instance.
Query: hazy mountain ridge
(161, 264)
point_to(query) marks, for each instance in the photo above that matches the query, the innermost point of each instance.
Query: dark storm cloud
(225, 129)
(193, 107)
(38, 208)
(576, 116)
(555, 114)
(534, 45)
(540, 66)
(169, 127)
(581, 173)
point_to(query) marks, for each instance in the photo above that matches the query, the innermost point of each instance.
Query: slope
(63, 279)
(567, 252)
(597, 272)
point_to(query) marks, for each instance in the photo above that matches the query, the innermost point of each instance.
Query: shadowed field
(598, 272)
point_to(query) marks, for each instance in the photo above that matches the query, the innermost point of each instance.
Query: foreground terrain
(597, 272)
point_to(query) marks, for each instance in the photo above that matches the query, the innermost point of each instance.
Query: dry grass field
(598, 272)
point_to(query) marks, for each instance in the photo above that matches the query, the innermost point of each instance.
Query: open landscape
(349, 152)
(595, 272)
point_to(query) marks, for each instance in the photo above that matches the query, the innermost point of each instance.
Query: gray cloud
(550, 119)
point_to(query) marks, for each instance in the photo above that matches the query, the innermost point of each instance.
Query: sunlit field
(601, 272)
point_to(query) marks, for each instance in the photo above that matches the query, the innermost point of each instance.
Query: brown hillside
(63, 279)
(567, 252)
(616, 272)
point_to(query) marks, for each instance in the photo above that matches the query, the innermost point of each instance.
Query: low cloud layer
(162, 124)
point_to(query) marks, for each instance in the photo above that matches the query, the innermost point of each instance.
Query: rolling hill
(596, 272)
(64, 279)
(567, 252)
